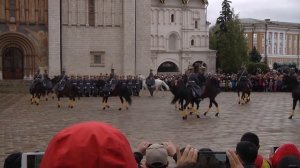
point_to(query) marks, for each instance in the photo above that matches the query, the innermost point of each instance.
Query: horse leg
(103, 103)
(37, 100)
(106, 105)
(217, 106)
(209, 107)
(46, 95)
(122, 103)
(58, 98)
(239, 97)
(294, 106)
(32, 99)
(184, 110)
(197, 109)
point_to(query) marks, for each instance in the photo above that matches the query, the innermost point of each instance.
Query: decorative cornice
(185, 1)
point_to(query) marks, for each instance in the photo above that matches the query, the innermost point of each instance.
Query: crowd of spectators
(267, 82)
(99, 145)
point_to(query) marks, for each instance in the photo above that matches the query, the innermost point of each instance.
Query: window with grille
(92, 12)
(172, 18)
(192, 42)
(196, 24)
(97, 58)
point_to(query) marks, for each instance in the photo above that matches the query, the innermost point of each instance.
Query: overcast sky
(276, 10)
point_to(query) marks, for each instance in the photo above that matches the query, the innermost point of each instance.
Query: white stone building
(180, 35)
(89, 37)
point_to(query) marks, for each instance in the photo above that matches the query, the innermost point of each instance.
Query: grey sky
(276, 10)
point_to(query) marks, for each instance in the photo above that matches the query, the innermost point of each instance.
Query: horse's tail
(165, 85)
(175, 99)
(128, 99)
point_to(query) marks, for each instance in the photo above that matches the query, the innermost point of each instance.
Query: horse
(244, 87)
(211, 90)
(119, 90)
(184, 95)
(158, 84)
(291, 83)
(68, 90)
(36, 90)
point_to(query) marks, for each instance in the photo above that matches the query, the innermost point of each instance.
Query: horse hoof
(31, 102)
(107, 106)
(217, 115)
(46, 99)
(239, 102)
(58, 106)
(37, 104)
(120, 109)
(198, 116)
(291, 117)
(205, 113)
(127, 108)
(191, 113)
(71, 107)
(103, 108)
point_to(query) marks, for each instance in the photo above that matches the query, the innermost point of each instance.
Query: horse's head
(55, 80)
(289, 82)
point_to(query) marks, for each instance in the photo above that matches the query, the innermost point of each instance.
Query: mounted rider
(46, 80)
(37, 76)
(242, 76)
(62, 80)
(150, 80)
(111, 81)
(196, 80)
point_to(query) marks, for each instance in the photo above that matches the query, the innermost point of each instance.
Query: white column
(54, 36)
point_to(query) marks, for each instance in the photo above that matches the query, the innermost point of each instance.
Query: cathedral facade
(89, 37)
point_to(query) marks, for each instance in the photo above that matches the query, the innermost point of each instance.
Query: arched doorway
(18, 55)
(12, 60)
(168, 68)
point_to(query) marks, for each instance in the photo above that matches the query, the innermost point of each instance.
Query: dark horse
(212, 89)
(291, 83)
(36, 90)
(65, 88)
(118, 90)
(184, 96)
(244, 87)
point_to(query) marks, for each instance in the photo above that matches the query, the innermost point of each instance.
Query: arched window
(173, 42)
(196, 24)
(92, 12)
(192, 42)
(172, 18)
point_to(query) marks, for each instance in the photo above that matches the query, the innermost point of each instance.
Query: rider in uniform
(243, 76)
(150, 81)
(37, 75)
(46, 80)
(195, 81)
(62, 80)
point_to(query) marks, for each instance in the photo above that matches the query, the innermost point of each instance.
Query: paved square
(25, 127)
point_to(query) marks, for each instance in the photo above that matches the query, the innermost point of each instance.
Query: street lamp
(298, 47)
(266, 55)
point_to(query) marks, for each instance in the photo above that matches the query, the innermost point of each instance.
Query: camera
(31, 159)
(213, 159)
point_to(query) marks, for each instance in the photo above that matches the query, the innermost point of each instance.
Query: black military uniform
(63, 78)
(46, 80)
(150, 81)
(243, 76)
(195, 81)
(37, 75)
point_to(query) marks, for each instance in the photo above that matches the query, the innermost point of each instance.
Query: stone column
(143, 32)
(54, 37)
(128, 37)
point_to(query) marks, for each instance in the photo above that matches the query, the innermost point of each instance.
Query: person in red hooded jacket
(89, 145)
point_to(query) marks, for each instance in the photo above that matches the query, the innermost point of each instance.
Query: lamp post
(266, 55)
(298, 47)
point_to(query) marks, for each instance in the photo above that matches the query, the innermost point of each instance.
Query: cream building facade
(281, 43)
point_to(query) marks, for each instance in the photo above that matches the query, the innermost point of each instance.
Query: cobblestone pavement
(25, 127)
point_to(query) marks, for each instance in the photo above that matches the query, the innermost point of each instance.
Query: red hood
(284, 150)
(89, 145)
